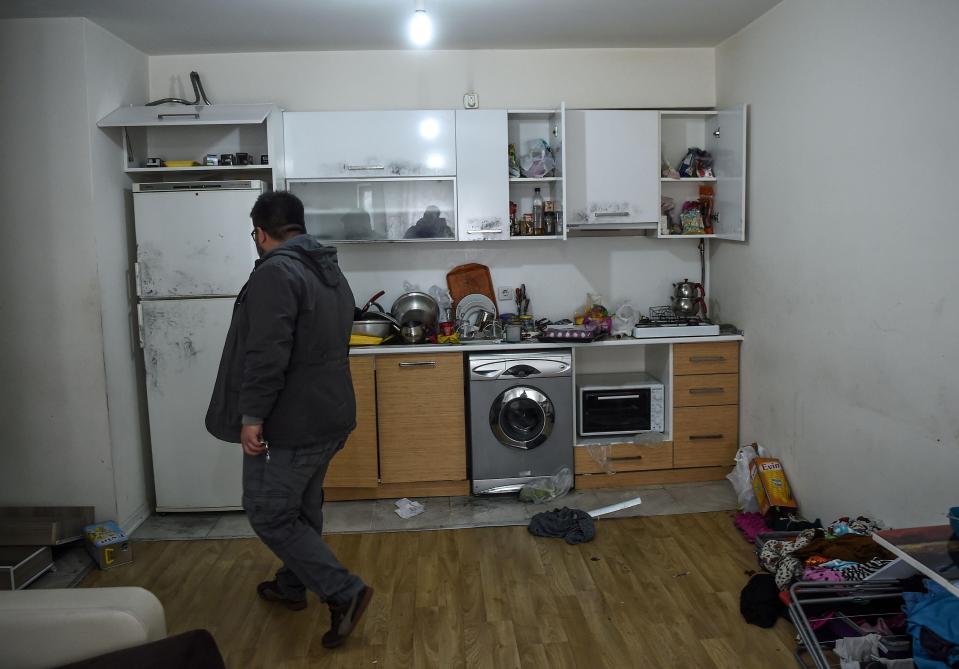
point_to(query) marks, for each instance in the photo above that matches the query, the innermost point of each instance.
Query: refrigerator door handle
(136, 278)
(140, 325)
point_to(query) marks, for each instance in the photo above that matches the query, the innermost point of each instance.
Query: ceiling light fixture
(421, 27)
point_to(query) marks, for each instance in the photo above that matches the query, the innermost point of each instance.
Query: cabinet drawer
(718, 358)
(627, 458)
(705, 436)
(421, 417)
(705, 390)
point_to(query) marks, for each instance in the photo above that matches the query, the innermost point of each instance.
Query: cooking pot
(413, 332)
(416, 306)
(373, 328)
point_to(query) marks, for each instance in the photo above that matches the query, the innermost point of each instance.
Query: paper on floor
(406, 508)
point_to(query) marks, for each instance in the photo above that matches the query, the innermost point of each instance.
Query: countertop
(531, 345)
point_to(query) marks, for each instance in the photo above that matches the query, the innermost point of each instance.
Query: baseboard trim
(396, 490)
(656, 477)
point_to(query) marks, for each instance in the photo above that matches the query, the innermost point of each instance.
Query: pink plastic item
(751, 525)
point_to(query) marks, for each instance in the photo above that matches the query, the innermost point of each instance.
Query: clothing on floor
(821, 574)
(936, 611)
(776, 557)
(937, 648)
(861, 525)
(851, 547)
(573, 525)
(851, 650)
(793, 523)
(283, 498)
(759, 601)
(750, 524)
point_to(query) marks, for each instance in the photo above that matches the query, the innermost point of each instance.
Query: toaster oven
(613, 404)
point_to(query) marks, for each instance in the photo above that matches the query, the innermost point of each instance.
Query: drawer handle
(485, 232)
(605, 398)
(706, 391)
(610, 214)
(356, 168)
(696, 437)
(160, 117)
(707, 358)
(425, 363)
(625, 458)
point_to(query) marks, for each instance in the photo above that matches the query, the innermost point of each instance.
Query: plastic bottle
(538, 226)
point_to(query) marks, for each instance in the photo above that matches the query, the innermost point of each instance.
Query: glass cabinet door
(379, 209)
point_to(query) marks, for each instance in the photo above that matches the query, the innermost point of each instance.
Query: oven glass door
(625, 411)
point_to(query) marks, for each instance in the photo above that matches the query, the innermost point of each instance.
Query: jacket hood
(308, 250)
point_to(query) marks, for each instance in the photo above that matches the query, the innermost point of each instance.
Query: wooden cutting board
(468, 279)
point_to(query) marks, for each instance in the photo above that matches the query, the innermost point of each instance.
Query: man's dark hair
(280, 214)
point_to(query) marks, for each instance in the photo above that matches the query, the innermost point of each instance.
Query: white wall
(116, 74)
(845, 287)
(349, 80)
(558, 276)
(61, 208)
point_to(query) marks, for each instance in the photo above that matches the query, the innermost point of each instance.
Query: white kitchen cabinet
(482, 174)
(386, 209)
(191, 132)
(364, 144)
(724, 134)
(612, 167)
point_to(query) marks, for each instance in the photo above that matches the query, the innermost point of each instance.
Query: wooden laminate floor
(651, 592)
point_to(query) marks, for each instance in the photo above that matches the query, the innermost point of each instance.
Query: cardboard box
(770, 485)
(108, 545)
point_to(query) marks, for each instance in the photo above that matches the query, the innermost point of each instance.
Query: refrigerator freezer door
(193, 243)
(183, 340)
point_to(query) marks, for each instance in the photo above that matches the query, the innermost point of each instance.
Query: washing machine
(521, 418)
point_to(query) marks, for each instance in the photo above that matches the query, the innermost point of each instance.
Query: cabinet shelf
(533, 238)
(687, 179)
(687, 236)
(531, 180)
(196, 168)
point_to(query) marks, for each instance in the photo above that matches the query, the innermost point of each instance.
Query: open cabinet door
(726, 140)
(558, 142)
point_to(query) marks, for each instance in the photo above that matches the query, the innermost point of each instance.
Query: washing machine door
(522, 417)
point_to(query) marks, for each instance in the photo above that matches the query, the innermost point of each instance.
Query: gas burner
(663, 322)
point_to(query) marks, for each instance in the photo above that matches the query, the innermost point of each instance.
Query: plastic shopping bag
(547, 488)
(742, 482)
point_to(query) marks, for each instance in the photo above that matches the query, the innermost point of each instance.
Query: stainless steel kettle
(687, 289)
(688, 299)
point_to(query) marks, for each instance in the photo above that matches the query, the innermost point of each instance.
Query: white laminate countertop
(531, 345)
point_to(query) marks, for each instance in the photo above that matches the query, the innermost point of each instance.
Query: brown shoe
(270, 591)
(345, 617)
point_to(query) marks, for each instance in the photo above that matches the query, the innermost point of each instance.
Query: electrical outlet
(471, 101)
(505, 293)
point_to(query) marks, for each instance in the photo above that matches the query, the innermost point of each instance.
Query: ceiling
(225, 26)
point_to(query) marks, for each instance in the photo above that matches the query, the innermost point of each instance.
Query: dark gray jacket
(286, 357)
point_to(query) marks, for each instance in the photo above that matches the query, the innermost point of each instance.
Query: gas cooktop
(663, 322)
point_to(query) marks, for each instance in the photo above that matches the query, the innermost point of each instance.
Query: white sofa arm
(48, 628)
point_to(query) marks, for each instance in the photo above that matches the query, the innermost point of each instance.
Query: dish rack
(826, 611)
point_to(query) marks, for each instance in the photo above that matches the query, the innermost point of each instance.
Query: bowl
(372, 328)
(413, 332)
(416, 306)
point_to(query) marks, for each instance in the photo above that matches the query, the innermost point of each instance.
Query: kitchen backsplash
(558, 275)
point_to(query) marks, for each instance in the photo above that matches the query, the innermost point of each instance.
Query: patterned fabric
(776, 559)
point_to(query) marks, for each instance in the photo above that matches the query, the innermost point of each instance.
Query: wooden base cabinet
(410, 436)
(421, 417)
(705, 404)
(356, 466)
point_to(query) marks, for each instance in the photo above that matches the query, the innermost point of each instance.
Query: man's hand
(251, 437)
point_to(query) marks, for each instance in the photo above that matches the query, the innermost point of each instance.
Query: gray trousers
(283, 498)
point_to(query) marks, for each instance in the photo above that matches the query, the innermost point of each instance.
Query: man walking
(285, 393)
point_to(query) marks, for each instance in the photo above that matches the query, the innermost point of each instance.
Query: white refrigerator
(194, 253)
